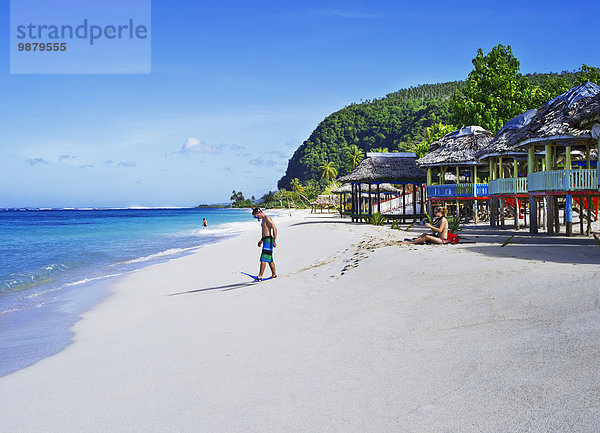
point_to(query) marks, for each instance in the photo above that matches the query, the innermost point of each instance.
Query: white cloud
(278, 154)
(194, 144)
(35, 161)
(61, 158)
(126, 164)
(294, 142)
(262, 162)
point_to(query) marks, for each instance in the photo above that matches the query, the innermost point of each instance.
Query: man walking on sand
(267, 241)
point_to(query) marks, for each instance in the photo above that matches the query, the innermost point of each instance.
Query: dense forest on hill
(396, 122)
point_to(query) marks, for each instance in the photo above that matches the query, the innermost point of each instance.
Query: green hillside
(396, 122)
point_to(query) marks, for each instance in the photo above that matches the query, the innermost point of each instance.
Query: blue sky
(237, 86)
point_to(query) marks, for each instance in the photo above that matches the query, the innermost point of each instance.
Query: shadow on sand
(325, 222)
(224, 288)
(524, 245)
(527, 246)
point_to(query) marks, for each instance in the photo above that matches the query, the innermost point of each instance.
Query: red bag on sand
(452, 238)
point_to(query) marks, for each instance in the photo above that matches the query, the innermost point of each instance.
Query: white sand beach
(358, 334)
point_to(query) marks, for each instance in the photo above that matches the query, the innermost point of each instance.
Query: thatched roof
(326, 200)
(566, 119)
(499, 144)
(387, 167)
(457, 148)
(383, 187)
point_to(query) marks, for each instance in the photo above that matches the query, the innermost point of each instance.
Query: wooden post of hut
(549, 202)
(360, 204)
(414, 197)
(358, 198)
(428, 202)
(568, 198)
(502, 200)
(515, 176)
(549, 215)
(352, 202)
(569, 215)
(588, 159)
(542, 211)
(581, 215)
(403, 199)
(355, 213)
(589, 216)
(555, 207)
(370, 201)
(533, 216)
(457, 192)
(475, 204)
(493, 205)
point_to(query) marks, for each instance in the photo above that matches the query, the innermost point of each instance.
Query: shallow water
(56, 264)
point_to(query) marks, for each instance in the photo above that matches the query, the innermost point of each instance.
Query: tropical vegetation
(411, 119)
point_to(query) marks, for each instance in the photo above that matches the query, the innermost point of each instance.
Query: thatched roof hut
(567, 119)
(387, 167)
(326, 200)
(499, 146)
(347, 188)
(457, 148)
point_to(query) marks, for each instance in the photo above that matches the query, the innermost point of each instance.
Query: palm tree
(355, 155)
(429, 135)
(328, 171)
(380, 150)
(297, 188)
(435, 131)
(333, 184)
(420, 149)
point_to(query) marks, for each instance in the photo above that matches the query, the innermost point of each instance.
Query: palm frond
(508, 241)
(377, 219)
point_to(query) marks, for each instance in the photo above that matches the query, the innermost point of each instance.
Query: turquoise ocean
(57, 263)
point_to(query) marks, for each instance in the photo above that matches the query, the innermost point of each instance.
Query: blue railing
(457, 190)
(482, 189)
(508, 186)
(563, 180)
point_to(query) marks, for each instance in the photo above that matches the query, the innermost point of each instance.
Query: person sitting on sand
(440, 229)
(267, 241)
